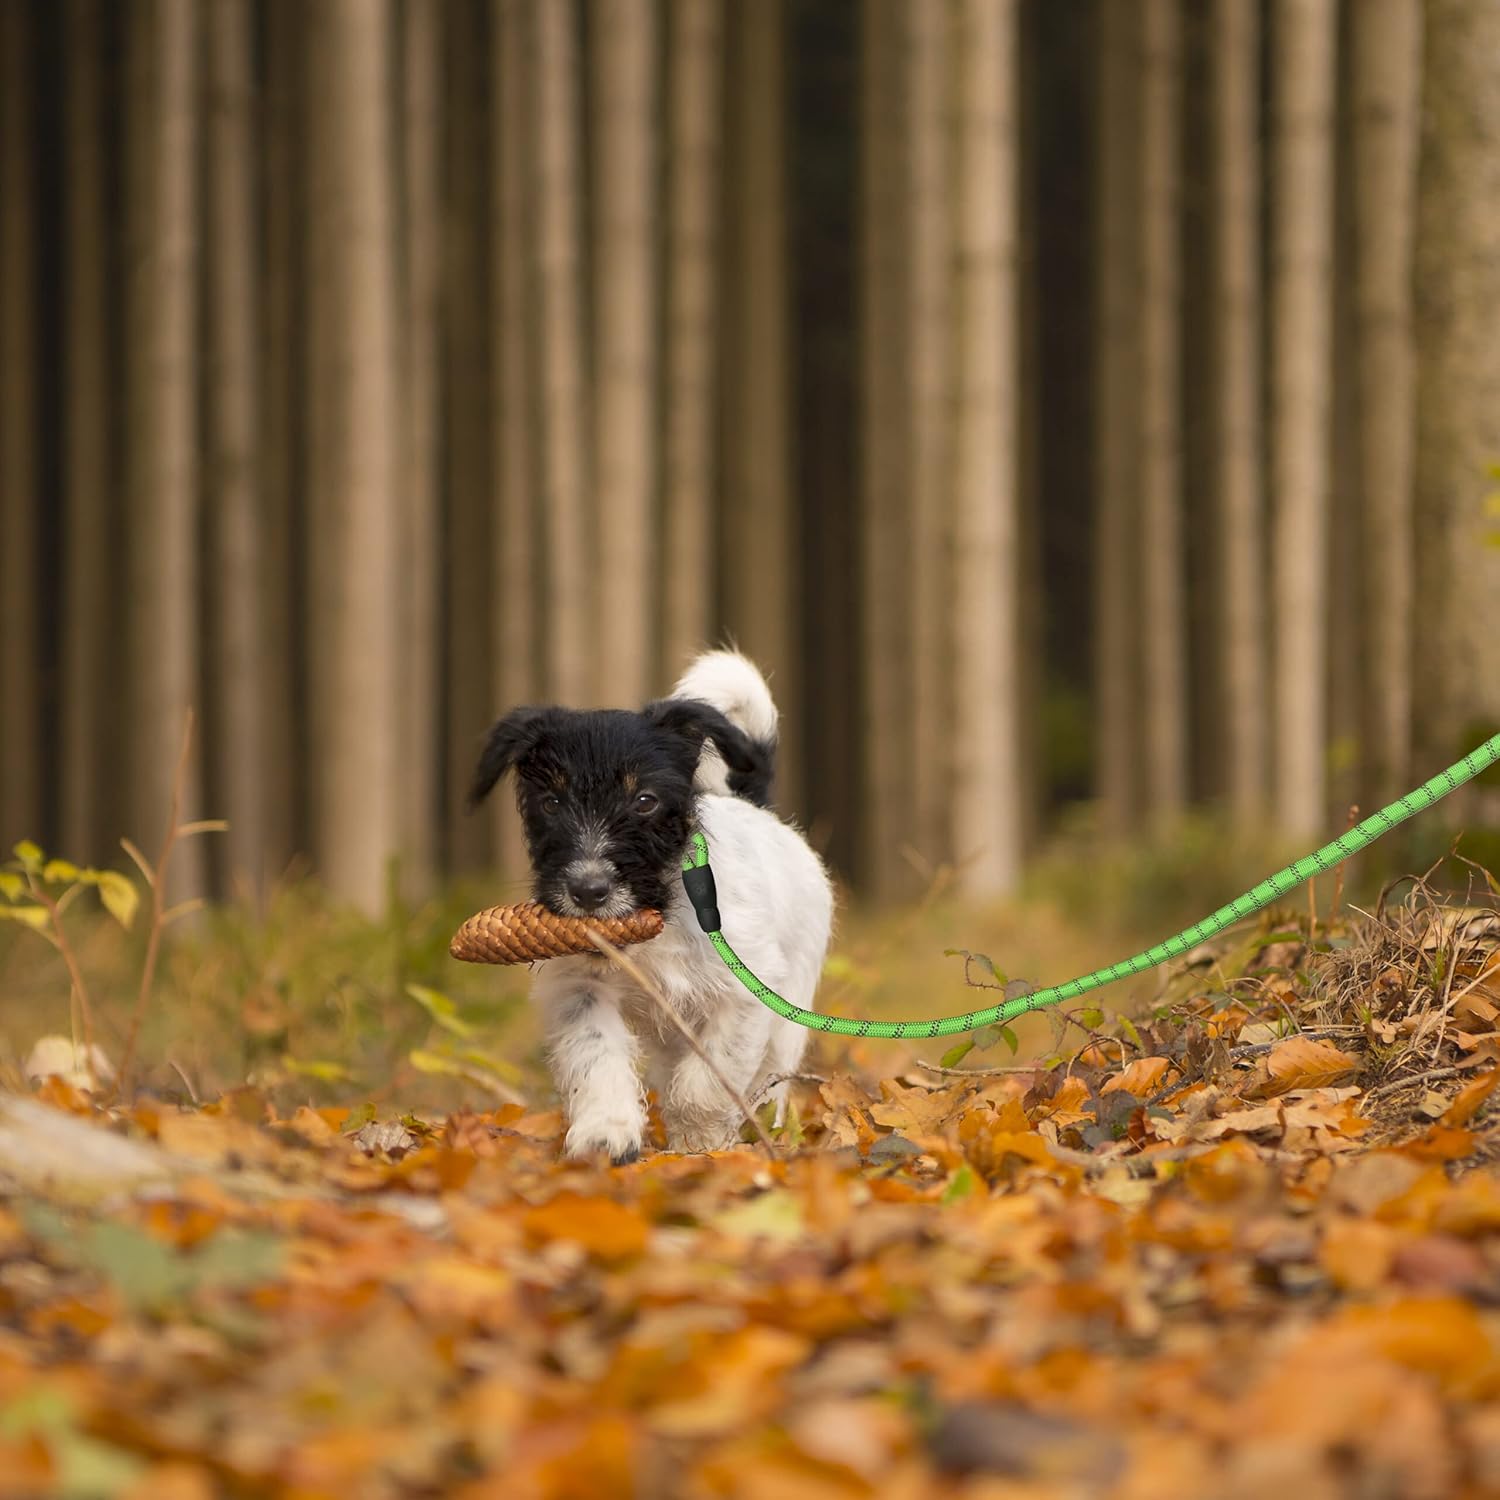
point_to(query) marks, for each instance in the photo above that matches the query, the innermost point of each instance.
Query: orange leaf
(1143, 1076)
(606, 1229)
(1468, 1099)
(1300, 1063)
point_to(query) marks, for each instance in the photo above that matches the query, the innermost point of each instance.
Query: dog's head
(606, 796)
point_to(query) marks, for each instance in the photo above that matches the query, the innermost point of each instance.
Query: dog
(610, 800)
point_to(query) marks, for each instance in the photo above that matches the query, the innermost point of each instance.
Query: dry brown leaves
(1204, 1270)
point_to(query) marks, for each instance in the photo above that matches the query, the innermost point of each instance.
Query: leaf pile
(1187, 1261)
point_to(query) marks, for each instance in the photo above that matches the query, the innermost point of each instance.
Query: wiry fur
(705, 755)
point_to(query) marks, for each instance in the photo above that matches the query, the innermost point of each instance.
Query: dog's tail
(734, 685)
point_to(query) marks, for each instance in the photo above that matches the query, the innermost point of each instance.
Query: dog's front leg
(593, 1055)
(699, 1115)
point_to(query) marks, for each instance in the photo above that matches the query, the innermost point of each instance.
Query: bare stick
(621, 959)
(1338, 874)
(979, 1072)
(157, 881)
(75, 975)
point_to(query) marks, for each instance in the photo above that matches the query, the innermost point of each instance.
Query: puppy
(610, 800)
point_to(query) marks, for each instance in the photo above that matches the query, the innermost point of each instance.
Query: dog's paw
(619, 1140)
(688, 1136)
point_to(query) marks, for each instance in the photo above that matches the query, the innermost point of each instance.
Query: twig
(1343, 864)
(157, 881)
(979, 1072)
(75, 975)
(1396, 1085)
(649, 987)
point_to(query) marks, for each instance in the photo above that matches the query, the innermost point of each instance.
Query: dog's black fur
(625, 778)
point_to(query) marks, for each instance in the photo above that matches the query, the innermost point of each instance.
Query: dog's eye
(551, 803)
(645, 802)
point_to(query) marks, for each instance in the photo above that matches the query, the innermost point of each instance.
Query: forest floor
(1245, 1243)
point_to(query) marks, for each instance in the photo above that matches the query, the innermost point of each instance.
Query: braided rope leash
(698, 881)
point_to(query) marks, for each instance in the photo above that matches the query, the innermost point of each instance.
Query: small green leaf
(1093, 1018)
(12, 886)
(955, 1055)
(120, 897)
(57, 871)
(29, 855)
(427, 1061)
(1010, 1039)
(961, 1185)
(26, 914)
(324, 1072)
(441, 1009)
(1127, 1027)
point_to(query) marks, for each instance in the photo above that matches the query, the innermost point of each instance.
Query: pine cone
(525, 932)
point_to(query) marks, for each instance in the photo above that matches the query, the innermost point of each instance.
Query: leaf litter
(1250, 1239)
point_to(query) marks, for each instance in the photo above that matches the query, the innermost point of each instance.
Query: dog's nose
(589, 891)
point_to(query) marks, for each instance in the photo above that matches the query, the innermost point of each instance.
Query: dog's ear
(749, 763)
(508, 740)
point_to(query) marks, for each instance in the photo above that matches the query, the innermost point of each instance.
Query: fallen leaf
(1300, 1063)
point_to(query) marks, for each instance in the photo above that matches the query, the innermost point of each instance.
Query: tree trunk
(886, 325)
(235, 509)
(517, 675)
(466, 577)
(283, 409)
(625, 335)
(1301, 309)
(929, 512)
(353, 450)
(1164, 701)
(421, 453)
(1386, 42)
(1458, 383)
(761, 584)
(987, 787)
(20, 708)
(90, 501)
(572, 615)
(1237, 293)
(1117, 582)
(695, 63)
(162, 460)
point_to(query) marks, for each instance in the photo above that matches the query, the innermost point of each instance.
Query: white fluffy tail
(733, 684)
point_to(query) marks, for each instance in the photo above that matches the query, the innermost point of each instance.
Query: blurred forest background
(1084, 408)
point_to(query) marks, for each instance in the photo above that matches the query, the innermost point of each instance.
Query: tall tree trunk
(1163, 615)
(572, 613)
(987, 774)
(761, 586)
(235, 510)
(695, 66)
(20, 707)
(1117, 581)
(283, 408)
(929, 512)
(886, 654)
(1237, 294)
(1301, 311)
(353, 447)
(625, 337)
(162, 459)
(517, 675)
(1458, 381)
(421, 454)
(1386, 43)
(90, 585)
(466, 447)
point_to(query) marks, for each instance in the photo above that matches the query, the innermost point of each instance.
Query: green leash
(698, 880)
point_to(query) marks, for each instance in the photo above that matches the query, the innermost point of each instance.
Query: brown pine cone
(525, 932)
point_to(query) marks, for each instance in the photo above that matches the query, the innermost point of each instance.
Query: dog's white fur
(777, 907)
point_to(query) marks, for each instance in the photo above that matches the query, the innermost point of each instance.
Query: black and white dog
(610, 800)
